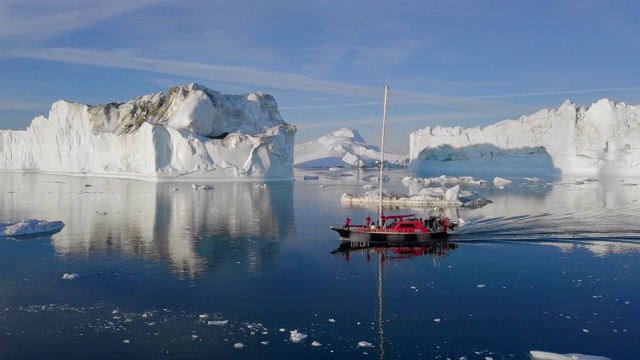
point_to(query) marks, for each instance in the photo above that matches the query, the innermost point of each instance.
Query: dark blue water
(550, 265)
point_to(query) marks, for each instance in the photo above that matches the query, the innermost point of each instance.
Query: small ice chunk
(264, 342)
(203, 316)
(332, 320)
(201, 187)
(125, 341)
(315, 343)
(238, 345)
(365, 344)
(481, 285)
(282, 330)
(217, 322)
(297, 336)
(68, 276)
(436, 320)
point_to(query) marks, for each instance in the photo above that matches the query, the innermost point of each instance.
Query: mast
(384, 127)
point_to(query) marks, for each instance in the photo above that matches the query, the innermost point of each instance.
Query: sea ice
(365, 344)
(201, 187)
(68, 276)
(30, 227)
(217, 322)
(297, 336)
(238, 345)
(543, 355)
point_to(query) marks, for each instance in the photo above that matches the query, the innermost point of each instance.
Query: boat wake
(588, 225)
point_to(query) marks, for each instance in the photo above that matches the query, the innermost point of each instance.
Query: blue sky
(448, 63)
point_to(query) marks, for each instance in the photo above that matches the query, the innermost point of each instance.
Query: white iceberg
(340, 149)
(191, 132)
(573, 140)
(297, 336)
(543, 355)
(30, 227)
(438, 196)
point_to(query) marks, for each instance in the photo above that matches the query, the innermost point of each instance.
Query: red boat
(398, 229)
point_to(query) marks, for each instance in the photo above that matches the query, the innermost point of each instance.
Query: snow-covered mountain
(344, 147)
(600, 140)
(191, 132)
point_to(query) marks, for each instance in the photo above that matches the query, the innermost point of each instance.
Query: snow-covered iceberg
(431, 196)
(30, 227)
(344, 147)
(191, 132)
(574, 140)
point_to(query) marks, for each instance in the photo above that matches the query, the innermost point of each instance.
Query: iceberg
(430, 196)
(600, 140)
(342, 148)
(30, 227)
(191, 132)
(543, 355)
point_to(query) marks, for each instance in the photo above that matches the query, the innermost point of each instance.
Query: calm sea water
(167, 272)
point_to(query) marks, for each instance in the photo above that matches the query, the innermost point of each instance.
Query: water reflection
(385, 254)
(158, 221)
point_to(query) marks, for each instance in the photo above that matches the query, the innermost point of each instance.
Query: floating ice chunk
(315, 343)
(365, 344)
(282, 330)
(501, 181)
(481, 285)
(436, 320)
(297, 336)
(194, 336)
(332, 320)
(238, 345)
(203, 316)
(30, 227)
(68, 276)
(585, 330)
(217, 322)
(543, 355)
(201, 187)
(125, 341)
(264, 342)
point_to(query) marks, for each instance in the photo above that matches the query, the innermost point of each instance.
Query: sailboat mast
(384, 128)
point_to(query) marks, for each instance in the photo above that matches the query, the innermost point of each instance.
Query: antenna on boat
(384, 127)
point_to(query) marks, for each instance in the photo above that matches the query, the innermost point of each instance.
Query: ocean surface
(246, 271)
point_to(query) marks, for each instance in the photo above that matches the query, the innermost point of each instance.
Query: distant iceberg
(191, 132)
(431, 196)
(343, 148)
(572, 140)
(543, 355)
(30, 227)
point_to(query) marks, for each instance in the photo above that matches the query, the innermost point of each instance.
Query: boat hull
(389, 237)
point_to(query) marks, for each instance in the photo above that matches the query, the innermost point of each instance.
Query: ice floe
(68, 276)
(543, 355)
(30, 227)
(297, 336)
(432, 196)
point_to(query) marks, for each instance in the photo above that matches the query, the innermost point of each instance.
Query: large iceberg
(191, 132)
(344, 147)
(599, 140)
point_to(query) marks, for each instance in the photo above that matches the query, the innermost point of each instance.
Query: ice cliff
(600, 140)
(344, 147)
(191, 132)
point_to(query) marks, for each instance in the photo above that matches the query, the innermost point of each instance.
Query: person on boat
(346, 224)
(383, 220)
(367, 221)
